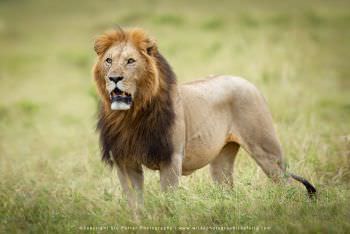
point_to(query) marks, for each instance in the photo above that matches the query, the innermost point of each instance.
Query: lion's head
(126, 72)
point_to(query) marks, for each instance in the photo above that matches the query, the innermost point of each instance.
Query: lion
(147, 119)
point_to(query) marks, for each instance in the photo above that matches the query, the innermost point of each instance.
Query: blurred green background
(296, 52)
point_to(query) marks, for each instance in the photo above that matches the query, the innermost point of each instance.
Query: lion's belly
(199, 154)
(202, 146)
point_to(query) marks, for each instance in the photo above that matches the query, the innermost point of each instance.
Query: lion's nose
(115, 79)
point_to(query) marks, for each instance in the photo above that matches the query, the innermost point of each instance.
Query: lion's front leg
(170, 173)
(131, 180)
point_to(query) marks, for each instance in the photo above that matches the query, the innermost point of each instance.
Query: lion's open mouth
(120, 100)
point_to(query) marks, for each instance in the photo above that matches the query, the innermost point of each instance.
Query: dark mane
(142, 135)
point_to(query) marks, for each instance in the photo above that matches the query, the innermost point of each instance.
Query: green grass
(296, 52)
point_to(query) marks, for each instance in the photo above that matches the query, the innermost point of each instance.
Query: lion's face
(125, 72)
(122, 65)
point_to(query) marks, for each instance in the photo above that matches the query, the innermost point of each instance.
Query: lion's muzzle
(120, 100)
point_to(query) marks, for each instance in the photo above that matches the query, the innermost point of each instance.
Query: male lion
(147, 119)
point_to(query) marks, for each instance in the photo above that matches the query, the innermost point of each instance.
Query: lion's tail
(311, 190)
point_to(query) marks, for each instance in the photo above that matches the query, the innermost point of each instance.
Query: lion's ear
(101, 44)
(151, 47)
(142, 41)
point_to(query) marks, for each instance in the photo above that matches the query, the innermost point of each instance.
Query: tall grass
(51, 176)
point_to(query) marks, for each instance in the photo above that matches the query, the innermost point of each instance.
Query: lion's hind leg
(269, 158)
(221, 168)
(271, 163)
(254, 131)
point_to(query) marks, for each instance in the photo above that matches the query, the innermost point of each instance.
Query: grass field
(296, 52)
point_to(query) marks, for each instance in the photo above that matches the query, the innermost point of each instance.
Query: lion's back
(218, 90)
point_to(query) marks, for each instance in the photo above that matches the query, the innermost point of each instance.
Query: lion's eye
(109, 60)
(131, 60)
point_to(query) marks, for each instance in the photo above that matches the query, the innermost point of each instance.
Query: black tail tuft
(311, 190)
